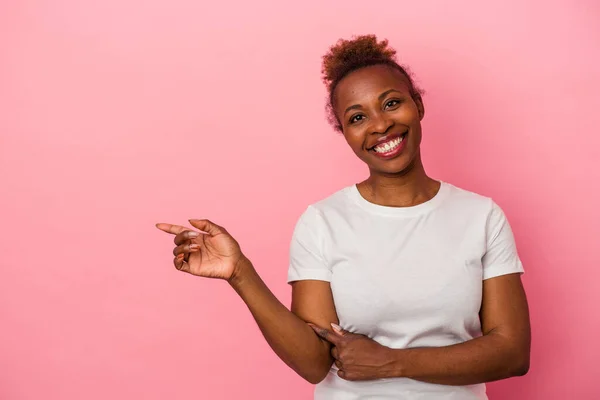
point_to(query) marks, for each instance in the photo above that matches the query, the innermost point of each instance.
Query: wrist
(398, 363)
(241, 271)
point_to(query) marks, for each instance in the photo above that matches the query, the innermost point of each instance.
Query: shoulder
(481, 208)
(336, 203)
(338, 200)
(469, 201)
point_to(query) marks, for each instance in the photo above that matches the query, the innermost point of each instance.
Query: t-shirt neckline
(419, 209)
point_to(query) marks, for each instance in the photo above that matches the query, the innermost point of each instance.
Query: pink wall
(122, 113)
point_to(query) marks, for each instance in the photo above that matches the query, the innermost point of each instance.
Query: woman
(403, 287)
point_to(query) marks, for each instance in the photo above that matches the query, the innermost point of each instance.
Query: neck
(408, 188)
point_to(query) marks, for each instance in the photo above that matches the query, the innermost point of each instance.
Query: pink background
(117, 114)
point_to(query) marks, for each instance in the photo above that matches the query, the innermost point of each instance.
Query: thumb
(326, 334)
(338, 329)
(206, 226)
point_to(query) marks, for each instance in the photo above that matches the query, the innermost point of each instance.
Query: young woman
(403, 287)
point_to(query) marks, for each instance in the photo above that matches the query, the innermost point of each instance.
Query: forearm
(484, 359)
(289, 336)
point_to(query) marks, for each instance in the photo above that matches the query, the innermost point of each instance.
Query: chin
(397, 166)
(390, 170)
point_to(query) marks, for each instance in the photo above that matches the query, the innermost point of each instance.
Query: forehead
(366, 84)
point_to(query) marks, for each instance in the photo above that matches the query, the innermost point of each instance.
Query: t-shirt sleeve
(306, 250)
(501, 257)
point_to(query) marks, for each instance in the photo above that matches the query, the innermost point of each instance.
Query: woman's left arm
(502, 351)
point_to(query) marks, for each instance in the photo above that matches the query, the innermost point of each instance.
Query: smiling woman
(380, 99)
(403, 286)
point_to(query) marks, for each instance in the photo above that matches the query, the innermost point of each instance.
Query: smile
(391, 147)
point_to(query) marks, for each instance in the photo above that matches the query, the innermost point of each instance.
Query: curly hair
(347, 56)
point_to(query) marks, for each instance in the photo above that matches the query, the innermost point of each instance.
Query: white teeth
(391, 145)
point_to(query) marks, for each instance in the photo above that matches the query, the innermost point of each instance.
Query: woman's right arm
(287, 331)
(214, 253)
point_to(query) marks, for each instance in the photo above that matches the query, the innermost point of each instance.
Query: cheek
(416, 130)
(409, 115)
(353, 139)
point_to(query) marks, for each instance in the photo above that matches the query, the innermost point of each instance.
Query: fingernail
(194, 246)
(180, 256)
(336, 327)
(193, 234)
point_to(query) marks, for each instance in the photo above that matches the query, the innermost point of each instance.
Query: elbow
(522, 369)
(317, 369)
(314, 379)
(520, 366)
(315, 376)
(318, 372)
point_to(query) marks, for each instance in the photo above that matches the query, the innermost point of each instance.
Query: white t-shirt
(404, 276)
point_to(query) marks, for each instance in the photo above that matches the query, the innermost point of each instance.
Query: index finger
(170, 228)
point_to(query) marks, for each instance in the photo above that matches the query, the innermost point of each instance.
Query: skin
(211, 252)
(370, 103)
(373, 102)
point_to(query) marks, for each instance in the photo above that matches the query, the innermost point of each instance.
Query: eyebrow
(381, 96)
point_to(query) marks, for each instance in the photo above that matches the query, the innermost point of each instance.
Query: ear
(419, 102)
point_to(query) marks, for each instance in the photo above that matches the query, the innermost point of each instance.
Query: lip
(393, 153)
(386, 138)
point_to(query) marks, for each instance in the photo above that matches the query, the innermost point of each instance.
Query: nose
(380, 123)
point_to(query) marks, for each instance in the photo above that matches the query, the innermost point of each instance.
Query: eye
(391, 103)
(356, 118)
